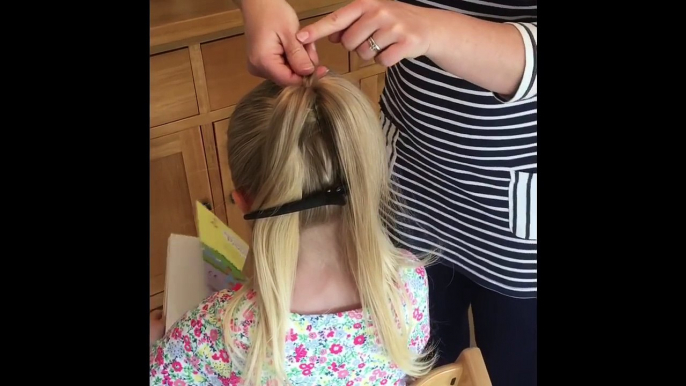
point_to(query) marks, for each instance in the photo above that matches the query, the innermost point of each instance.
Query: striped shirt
(464, 161)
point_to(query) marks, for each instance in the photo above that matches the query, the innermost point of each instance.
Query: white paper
(185, 278)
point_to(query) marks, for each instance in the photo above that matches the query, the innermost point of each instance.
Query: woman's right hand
(273, 50)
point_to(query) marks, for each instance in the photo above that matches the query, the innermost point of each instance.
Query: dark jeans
(505, 328)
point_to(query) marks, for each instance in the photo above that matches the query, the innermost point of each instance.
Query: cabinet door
(233, 214)
(372, 87)
(178, 177)
(356, 62)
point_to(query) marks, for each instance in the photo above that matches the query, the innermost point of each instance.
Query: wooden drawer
(172, 90)
(156, 301)
(227, 73)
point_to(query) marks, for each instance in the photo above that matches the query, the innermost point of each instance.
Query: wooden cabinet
(178, 177)
(356, 62)
(370, 79)
(372, 87)
(172, 93)
(197, 75)
(226, 72)
(234, 216)
(156, 301)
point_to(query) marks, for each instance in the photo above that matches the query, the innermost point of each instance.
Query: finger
(156, 314)
(336, 37)
(282, 74)
(296, 55)
(321, 71)
(391, 55)
(383, 38)
(312, 53)
(338, 20)
(359, 31)
(275, 69)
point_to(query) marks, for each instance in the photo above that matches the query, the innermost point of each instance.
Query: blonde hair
(285, 143)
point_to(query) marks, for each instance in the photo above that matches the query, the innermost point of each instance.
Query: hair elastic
(333, 196)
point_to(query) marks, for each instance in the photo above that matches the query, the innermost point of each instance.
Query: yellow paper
(216, 235)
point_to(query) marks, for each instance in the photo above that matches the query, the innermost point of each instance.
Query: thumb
(156, 314)
(297, 56)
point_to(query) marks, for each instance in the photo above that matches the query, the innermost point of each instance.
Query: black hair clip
(333, 196)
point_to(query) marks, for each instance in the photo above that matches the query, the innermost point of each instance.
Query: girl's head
(287, 143)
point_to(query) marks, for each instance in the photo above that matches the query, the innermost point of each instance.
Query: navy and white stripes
(523, 204)
(464, 162)
(529, 84)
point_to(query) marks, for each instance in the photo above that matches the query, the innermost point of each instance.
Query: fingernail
(302, 35)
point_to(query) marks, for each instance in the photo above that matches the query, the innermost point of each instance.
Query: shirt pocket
(523, 205)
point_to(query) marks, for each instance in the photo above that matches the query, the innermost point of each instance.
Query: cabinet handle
(231, 199)
(207, 205)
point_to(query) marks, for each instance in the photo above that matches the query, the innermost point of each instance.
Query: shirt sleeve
(528, 86)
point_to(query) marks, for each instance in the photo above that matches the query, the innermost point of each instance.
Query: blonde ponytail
(290, 142)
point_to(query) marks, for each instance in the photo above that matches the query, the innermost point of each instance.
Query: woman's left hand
(399, 30)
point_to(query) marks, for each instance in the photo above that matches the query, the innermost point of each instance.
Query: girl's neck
(320, 245)
(323, 282)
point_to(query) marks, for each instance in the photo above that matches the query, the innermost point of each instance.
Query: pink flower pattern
(330, 349)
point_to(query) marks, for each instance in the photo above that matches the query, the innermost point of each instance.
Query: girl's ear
(243, 202)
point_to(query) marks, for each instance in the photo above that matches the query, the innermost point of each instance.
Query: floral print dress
(329, 349)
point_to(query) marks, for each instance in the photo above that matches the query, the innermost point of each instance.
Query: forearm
(494, 56)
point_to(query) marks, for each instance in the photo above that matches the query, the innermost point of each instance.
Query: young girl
(329, 300)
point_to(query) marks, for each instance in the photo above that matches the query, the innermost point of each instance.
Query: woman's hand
(273, 50)
(487, 54)
(156, 326)
(399, 30)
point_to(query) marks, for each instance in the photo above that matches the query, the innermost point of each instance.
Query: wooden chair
(468, 370)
